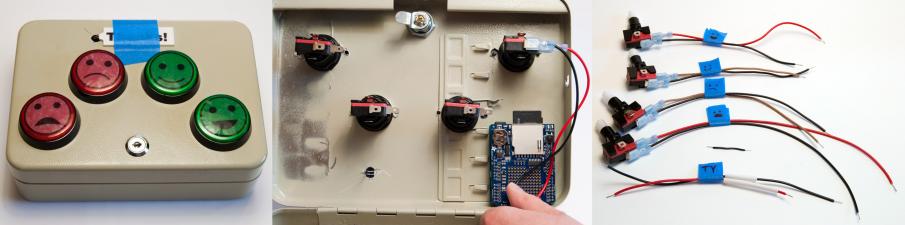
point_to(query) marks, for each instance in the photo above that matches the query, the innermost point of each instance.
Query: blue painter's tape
(718, 115)
(713, 37)
(135, 41)
(710, 68)
(715, 87)
(710, 173)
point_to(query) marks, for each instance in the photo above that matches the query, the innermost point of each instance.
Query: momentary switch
(322, 52)
(635, 33)
(373, 112)
(460, 114)
(514, 53)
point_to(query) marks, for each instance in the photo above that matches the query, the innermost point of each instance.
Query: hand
(526, 209)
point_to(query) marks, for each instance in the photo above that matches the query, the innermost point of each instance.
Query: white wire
(750, 185)
(741, 177)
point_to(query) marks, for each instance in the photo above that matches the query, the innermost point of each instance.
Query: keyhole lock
(419, 23)
(137, 146)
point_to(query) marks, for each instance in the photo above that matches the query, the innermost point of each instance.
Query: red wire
(780, 24)
(761, 37)
(864, 152)
(688, 36)
(888, 178)
(782, 192)
(584, 96)
(663, 135)
(653, 183)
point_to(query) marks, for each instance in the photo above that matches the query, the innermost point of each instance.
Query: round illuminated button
(98, 74)
(171, 76)
(221, 120)
(48, 120)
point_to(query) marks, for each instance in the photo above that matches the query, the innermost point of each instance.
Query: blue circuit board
(506, 166)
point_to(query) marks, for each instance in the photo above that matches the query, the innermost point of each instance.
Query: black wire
(642, 180)
(762, 53)
(762, 72)
(571, 128)
(812, 122)
(838, 174)
(782, 103)
(777, 75)
(801, 189)
(738, 45)
(685, 78)
(728, 148)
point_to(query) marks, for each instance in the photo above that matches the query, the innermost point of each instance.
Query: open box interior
(422, 169)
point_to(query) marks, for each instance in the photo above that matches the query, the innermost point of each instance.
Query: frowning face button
(48, 117)
(97, 73)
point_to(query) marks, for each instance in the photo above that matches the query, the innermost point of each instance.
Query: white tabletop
(854, 91)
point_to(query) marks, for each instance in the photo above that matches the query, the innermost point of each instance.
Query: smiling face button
(171, 74)
(97, 73)
(222, 120)
(48, 117)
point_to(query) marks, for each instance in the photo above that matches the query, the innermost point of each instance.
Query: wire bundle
(671, 103)
(744, 70)
(770, 126)
(645, 145)
(570, 122)
(691, 38)
(731, 180)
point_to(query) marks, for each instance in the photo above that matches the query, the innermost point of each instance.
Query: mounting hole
(137, 146)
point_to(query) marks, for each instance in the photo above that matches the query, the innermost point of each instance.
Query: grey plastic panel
(340, 5)
(296, 216)
(507, 6)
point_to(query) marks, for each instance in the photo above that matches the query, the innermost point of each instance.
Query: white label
(167, 36)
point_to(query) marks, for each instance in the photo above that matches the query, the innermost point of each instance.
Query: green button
(222, 119)
(171, 73)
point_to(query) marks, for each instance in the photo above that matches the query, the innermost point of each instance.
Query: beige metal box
(135, 144)
(423, 173)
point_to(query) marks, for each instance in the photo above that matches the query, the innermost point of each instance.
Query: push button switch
(97, 76)
(221, 122)
(170, 77)
(48, 121)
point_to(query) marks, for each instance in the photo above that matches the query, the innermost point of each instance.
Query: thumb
(520, 199)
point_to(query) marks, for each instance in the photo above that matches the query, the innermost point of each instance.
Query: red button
(97, 73)
(48, 117)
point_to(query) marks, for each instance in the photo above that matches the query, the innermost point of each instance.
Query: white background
(253, 209)
(854, 92)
